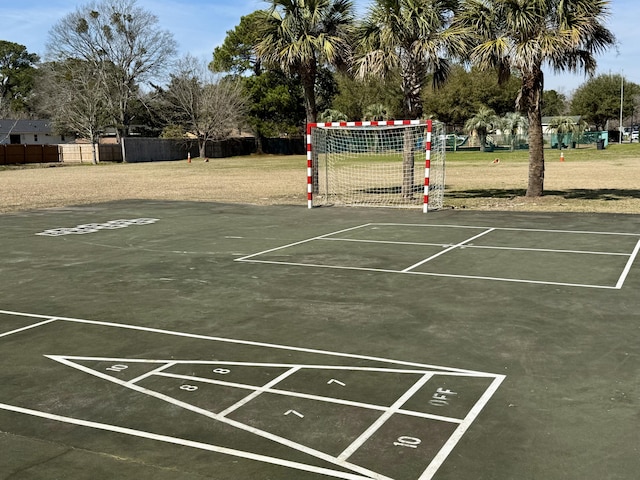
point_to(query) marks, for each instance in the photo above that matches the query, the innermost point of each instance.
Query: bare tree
(207, 105)
(71, 93)
(121, 42)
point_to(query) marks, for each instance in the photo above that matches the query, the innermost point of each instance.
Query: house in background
(30, 132)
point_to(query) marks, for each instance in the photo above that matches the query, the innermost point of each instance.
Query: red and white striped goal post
(373, 123)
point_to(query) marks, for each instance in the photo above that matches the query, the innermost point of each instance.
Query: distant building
(30, 132)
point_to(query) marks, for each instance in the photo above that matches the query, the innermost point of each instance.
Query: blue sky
(200, 25)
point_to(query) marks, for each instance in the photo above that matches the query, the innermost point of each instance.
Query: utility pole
(621, 105)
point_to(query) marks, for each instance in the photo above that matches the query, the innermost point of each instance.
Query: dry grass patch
(608, 184)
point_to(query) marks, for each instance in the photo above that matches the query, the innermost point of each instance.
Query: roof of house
(8, 126)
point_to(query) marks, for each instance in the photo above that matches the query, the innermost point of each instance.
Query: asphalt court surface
(182, 340)
(590, 259)
(335, 416)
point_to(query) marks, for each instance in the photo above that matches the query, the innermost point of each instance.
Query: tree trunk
(408, 165)
(308, 77)
(482, 137)
(94, 153)
(531, 100)
(259, 147)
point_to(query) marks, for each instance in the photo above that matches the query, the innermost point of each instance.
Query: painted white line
(485, 247)
(432, 274)
(152, 372)
(507, 229)
(28, 327)
(308, 396)
(258, 391)
(385, 242)
(242, 342)
(627, 267)
(206, 413)
(185, 443)
(298, 243)
(431, 368)
(383, 419)
(457, 245)
(448, 447)
(164, 365)
(548, 250)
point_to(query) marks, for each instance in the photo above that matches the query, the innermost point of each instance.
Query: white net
(381, 166)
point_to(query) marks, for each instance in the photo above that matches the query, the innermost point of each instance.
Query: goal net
(396, 163)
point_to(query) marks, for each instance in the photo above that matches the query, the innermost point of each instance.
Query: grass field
(588, 180)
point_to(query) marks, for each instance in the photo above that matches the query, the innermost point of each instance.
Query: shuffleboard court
(177, 340)
(324, 412)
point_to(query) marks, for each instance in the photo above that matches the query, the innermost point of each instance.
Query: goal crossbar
(371, 163)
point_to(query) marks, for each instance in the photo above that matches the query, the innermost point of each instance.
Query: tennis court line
(452, 247)
(246, 258)
(446, 275)
(627, 267)
(462, 245)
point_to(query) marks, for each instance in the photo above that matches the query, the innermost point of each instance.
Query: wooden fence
(17, 154)
(144, 150)
(83, 153)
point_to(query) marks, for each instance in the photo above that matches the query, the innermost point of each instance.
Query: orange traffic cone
(189, 157)
(562, 156)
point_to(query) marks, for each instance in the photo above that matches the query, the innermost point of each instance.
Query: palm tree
(514, 124)
(409, 37)
(376, 111)
(331, 115)
(526, 35)
(483, 122)
(301, 35)
(566, 128)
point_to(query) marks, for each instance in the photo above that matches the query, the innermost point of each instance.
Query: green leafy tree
(408, 37)
(355, 96)
(554, 104)
(274, 100)
(482, 123)
(523, 36)
(17, 73)
(465, 91)
(598, 99)
(300, 36)
(237, 54)
(274, 105)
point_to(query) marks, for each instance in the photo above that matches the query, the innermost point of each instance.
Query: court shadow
(607, 194)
